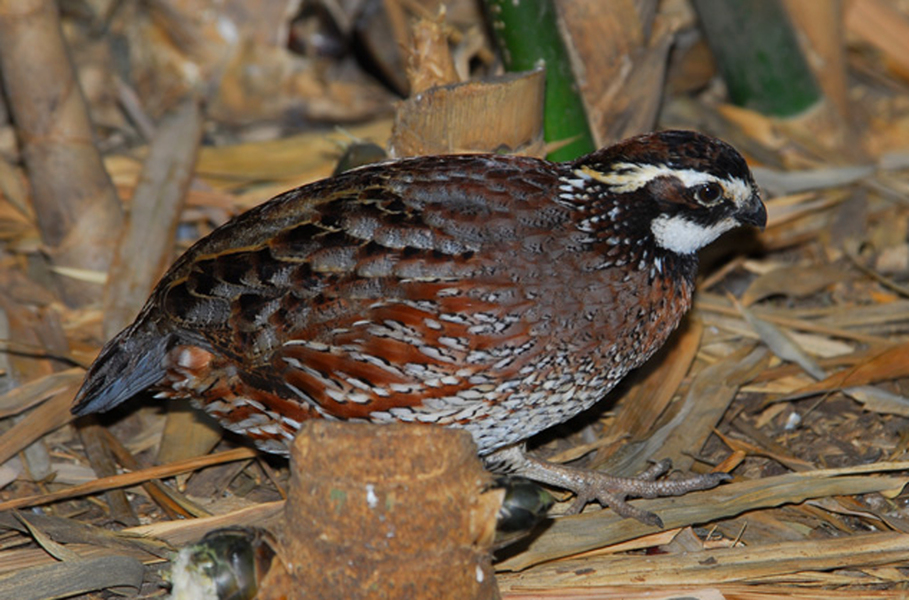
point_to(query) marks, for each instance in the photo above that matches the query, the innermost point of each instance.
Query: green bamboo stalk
(527, 35)
(758, 55)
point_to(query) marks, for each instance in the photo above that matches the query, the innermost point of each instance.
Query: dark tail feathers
(128, 364)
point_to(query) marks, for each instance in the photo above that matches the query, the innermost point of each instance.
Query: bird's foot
(613, 491)
(606, 489)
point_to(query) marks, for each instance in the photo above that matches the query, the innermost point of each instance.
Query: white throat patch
(682, 236)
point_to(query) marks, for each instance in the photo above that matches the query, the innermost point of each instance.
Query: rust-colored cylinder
(390, 511)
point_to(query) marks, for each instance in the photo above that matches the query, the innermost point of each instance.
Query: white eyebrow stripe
(628, 177)
(741, 191)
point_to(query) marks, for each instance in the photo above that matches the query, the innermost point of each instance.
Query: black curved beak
(753, 212)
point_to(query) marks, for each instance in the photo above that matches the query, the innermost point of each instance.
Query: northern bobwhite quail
(499, 294)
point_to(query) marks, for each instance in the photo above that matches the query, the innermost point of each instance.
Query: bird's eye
(708, 193)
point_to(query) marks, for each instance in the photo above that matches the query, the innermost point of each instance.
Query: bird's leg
(608, 490)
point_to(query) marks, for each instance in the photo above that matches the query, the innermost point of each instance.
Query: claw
(618, 505)
(655, 470)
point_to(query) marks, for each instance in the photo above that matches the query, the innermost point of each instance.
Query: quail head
(499, 294)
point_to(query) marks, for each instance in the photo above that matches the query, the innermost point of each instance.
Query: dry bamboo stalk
(712, 305)
(881, 24)
(476, 116)
(74, 577)
(711, 567)
(821, 24)
(182, 532)
(130, 479)
(144, 251)
(429, 61)
(620, 63)
(174, 504)
(34, 392)
(52, 414)
(74, 200)
(102, 463)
